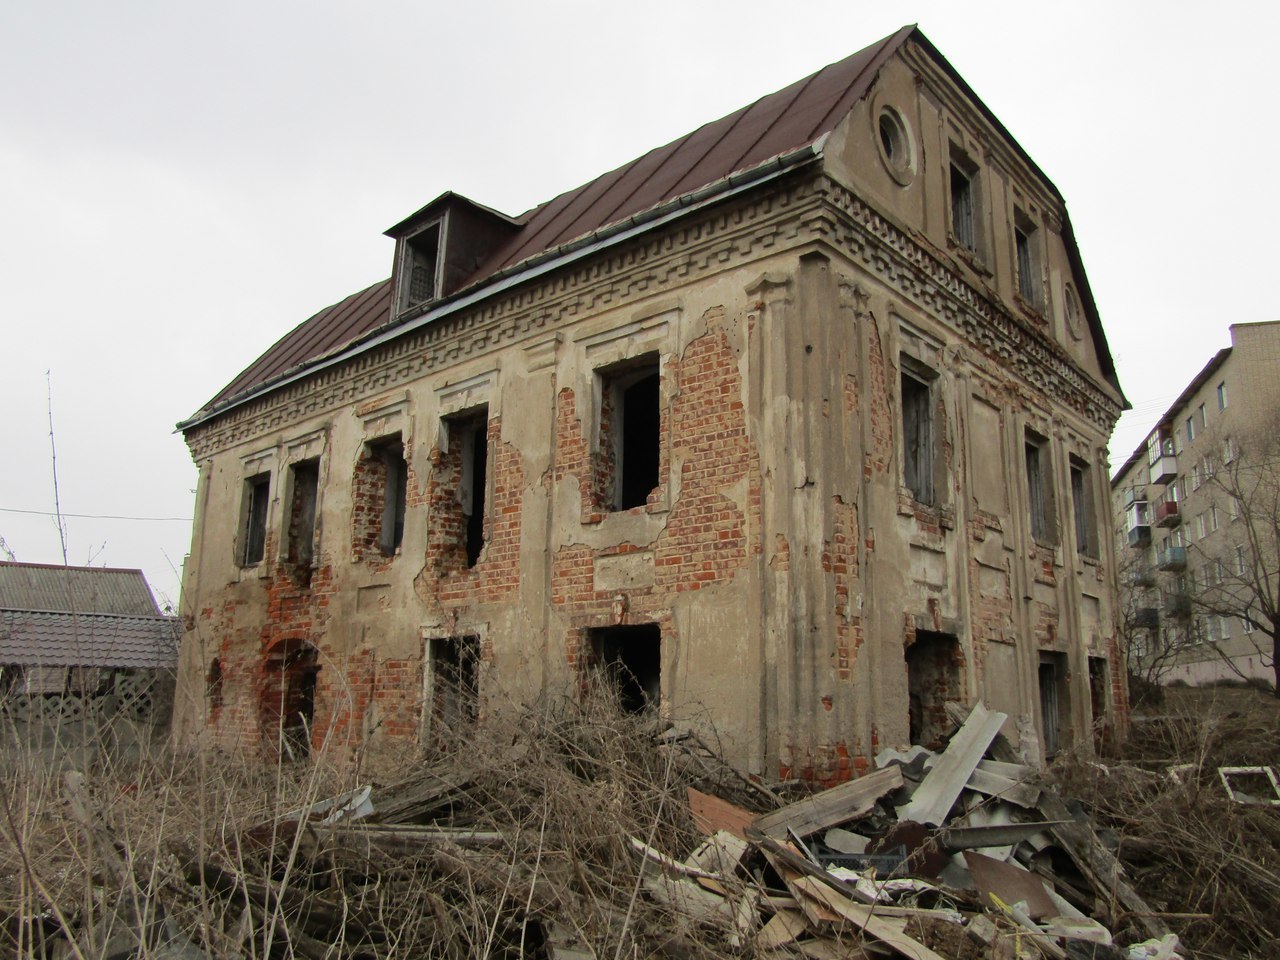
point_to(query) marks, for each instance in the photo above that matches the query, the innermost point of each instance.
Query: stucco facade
(796, 448)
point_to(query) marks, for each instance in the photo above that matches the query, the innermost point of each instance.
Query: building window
(453, 683)
(630, 433)
(1222, 395)
(1228, 450)
(896, 148)
(460, 514)
(918, 449)
(1242, 565)
(213, 684)
(1039, 489)
(257, 492)
(1191, 429)
(1083, 509)
(379, 498)
(1246, 624)
(1213, 517)
(420, 269)
(1026, 241)
(1204, 418)
(964, 201)
(631, 658)
(1200, 527)
(305, 477)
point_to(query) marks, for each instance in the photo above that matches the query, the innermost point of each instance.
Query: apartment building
(1196, 523)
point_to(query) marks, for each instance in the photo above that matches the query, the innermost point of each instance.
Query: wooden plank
(783, 927)
(941, 787)
(711, 814)
(862, 916)
(831, 807)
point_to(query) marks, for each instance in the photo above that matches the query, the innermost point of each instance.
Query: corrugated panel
(774, 125)
(36, 586)
(64, 640)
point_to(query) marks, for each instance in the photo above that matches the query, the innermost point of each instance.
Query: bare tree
(1240, 566)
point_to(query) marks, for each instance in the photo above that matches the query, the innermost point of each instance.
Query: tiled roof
(36, 586)
(776, 124)
(90, 640)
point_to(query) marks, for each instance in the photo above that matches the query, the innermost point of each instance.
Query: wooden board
(831, 807)
(711, 814)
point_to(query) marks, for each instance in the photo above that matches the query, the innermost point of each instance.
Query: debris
(831, 807)
(1010, 883)
(1260, 781)
(933, 799)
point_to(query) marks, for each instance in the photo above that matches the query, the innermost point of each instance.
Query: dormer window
(421, 268)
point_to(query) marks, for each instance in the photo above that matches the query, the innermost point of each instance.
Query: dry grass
(184, 855)
(1189, 849)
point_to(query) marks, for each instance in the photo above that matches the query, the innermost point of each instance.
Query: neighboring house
(72, 638)
(795, 425)
(1196, 521)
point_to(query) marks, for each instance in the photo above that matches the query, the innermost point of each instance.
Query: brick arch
(287, 696)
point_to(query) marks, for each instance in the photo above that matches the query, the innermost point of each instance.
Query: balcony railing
(1140, 536)
(1141, 577)
(1168, 514)
(1163, 468)
(1177, 605)
(1134, 495)
(1172, 559)
(1147, 618)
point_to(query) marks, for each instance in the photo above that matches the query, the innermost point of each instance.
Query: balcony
(1167, 513)
(1164, 468)
(1178, 605)
(1172, 559)
(1146, 618)
(1140, 536)
(1141, 577)
(1134, 495)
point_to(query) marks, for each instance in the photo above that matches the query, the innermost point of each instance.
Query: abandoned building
(795, 426)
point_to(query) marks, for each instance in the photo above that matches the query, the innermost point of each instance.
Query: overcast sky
(181, 184)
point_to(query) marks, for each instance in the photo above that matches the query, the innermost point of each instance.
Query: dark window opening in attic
(421, 267)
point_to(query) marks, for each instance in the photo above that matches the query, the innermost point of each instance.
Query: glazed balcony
(1164, 468)
(1140, 536)
(1172, 559)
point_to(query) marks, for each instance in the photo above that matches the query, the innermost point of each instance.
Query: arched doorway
(287, 701)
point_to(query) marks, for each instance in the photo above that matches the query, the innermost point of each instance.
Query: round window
(897, 150)
(1074, 314)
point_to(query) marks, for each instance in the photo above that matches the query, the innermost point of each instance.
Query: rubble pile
(572, 835)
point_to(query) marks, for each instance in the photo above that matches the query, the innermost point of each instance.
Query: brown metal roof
(774, 125)
(91, 640)
(80, 590)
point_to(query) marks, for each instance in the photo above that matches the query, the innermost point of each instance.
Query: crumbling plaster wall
(784, 560)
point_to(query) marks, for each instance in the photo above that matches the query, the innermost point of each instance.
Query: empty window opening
(1054, 706)
(213, 684)
(421, 266)
(934, 662)
(379, 500)
(631, 658)
(963, 204)
(302, 518)
(1039, 494)
(630, 433)
(288, 700)
(1027, 248)
(918, 461)
(1099, 687)
(257, 493)
(1083, 509)
(471, 435)
(453, 683)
